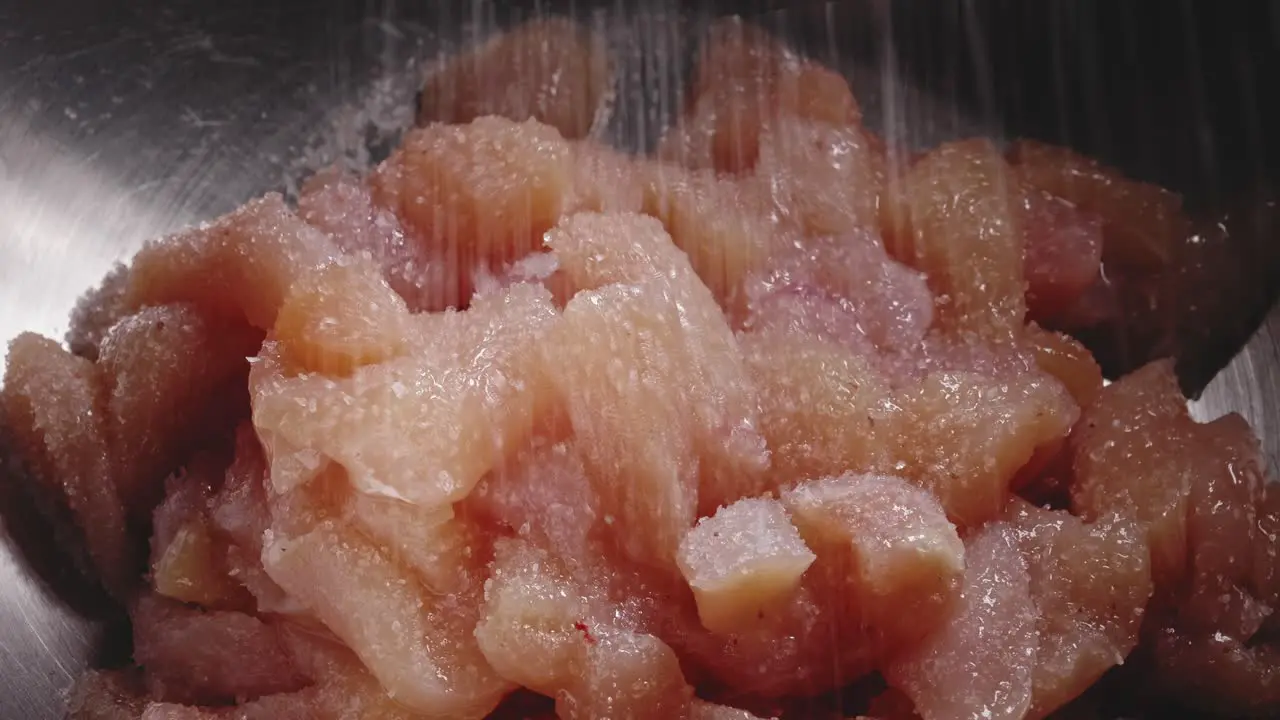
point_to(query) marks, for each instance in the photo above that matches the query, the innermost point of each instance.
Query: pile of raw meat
(769, 425)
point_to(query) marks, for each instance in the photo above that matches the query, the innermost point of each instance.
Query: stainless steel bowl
(122, 120)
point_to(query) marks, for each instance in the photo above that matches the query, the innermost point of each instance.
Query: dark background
(1181, 92)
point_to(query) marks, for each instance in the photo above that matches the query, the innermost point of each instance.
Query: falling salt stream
(654, 54)
(653, 50)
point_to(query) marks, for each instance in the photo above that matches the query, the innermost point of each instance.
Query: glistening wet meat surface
(519, 424)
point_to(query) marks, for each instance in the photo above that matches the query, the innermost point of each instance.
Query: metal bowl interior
(120, 121)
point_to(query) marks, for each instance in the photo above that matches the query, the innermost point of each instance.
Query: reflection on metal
(1250, 385)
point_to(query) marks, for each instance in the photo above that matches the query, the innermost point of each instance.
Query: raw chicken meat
(552, 70)
(982, 663)
(742, 561)
(518, 425)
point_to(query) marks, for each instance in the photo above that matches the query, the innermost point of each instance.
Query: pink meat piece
(1063, 253)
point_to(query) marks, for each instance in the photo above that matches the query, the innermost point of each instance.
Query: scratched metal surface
(122, 120)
